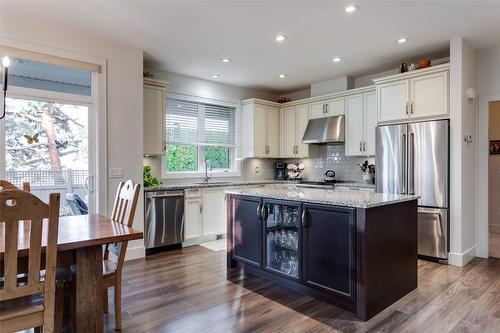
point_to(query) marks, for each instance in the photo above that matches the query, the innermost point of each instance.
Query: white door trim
(99, 102)
(482, 170)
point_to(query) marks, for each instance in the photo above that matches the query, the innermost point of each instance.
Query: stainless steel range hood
(325, 130)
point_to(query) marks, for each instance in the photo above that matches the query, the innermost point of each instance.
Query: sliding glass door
(45, 141)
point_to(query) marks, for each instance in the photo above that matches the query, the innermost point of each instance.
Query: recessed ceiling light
(351, 9)
(280, 38)
(337, 59)
(226, 60)
(282, 76)
(402, 40)
(215, 76)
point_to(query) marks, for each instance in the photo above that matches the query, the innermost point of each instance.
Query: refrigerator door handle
(403, 164)
(411, 166)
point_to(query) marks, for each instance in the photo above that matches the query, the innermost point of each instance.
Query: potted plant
(149, 180)
(368, 171)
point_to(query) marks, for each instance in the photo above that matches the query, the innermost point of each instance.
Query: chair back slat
(6, 185)
(10, 256)
(15, 206)
(123, 212)
(36, 226)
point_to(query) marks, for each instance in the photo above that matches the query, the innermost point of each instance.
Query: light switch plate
(115, 173)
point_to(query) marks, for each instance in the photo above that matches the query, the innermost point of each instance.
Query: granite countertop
(215, 183)
(357, 199)
(198, 184)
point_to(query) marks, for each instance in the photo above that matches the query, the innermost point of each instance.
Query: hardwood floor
(187, 291)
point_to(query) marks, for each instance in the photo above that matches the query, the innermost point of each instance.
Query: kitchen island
(356, 250)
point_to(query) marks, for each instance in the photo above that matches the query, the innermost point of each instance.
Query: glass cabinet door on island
(282, 238)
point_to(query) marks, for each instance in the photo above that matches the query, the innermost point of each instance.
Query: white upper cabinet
(153, 116)
(361, 120)
(335, 107)
(429, 95)
(354, 125)
(370, 120)
(423, 94)
(293, 125)
(328, 108)
(393, 100)
(260, 130)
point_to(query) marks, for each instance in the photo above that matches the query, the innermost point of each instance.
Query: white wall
(488, 71)
(332, 86)
(124, 97)
(462, 154)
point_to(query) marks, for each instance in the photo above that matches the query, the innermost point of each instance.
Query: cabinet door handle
(326, 108)
(201, 209)
(364, 146)
(264, 212)
(258, 212)
(406, 107)
(304, 222)
(360, 146)
(411, 107)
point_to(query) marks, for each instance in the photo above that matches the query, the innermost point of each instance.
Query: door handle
(259, 216)
(360, 146)
(364, 146)
(89, 186)
(326, 108)
(201, 209)
(264, 212)
(403, 164)
(411, 162)
(304, 222)
(411, 107)
(406, 107)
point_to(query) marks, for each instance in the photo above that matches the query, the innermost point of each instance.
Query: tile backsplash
(321, 158)
(332, 157)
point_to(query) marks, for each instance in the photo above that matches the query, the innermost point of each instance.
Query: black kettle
(329, 176)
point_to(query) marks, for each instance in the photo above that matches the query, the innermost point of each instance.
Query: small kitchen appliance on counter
(329, 177)
(279, 171)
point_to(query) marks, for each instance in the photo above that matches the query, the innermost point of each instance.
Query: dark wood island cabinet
(360, 256)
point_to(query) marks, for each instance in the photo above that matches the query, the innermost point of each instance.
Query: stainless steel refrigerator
(413, 158)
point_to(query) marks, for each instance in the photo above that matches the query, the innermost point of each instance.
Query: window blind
(182, 122)
(190, 123)
(219, 126)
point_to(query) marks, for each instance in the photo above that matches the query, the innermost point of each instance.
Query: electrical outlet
(115, 172)
(257, 169)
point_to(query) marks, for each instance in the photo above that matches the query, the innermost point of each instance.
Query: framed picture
(495, 147)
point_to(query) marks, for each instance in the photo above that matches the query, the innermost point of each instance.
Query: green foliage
(182, 158)
(149, 180)
(219, 156)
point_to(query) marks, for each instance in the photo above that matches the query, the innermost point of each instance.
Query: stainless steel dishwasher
(164, 217)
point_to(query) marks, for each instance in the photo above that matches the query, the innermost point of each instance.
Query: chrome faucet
(208, 166)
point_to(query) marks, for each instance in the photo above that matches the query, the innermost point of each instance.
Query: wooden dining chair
(5, 185)
(123, 212)
(30, 303)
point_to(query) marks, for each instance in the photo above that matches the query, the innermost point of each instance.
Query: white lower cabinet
(214, 216)
(193, 227)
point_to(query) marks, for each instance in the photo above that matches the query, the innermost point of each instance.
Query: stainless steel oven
(164, 218)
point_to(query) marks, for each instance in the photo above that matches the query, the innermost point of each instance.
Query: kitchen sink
(214, 183)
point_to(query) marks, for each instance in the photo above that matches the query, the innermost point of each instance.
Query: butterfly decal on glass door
(32, 138)
(61, 144)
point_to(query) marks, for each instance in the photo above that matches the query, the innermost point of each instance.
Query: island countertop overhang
(345, 198)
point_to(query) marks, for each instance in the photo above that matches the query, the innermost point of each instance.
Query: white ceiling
(190, 38)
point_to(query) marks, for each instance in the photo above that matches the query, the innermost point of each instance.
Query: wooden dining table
(80, 242)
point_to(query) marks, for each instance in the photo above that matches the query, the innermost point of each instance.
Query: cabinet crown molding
(154, 82)
(414, 73)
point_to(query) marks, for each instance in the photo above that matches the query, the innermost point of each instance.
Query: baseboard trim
(135, 252)
(461, 259)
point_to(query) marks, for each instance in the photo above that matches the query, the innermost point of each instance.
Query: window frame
(235, 162)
